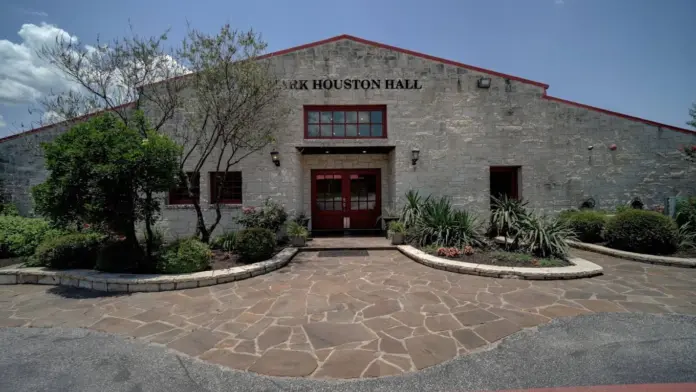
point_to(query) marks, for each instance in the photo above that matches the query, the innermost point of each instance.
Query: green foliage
(76, 250)
(587, 224)
(506, 213)
(686, 212)
(296, 230)
(397, 227)
(543, 236)
(412, 209)
(20, 236)
(524, 258)
(224, 242)
(185, 256)
(271, 216)
(120, 256)
(101, 171)
(442, 225)
(621, 208)
(8, 209)
(686, 238)
(643, 232)
(255, 244)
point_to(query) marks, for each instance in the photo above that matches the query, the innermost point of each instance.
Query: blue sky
(632, 56)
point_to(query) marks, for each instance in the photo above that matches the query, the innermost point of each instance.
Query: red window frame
(233, 177)
(345, 108)
(179, 194)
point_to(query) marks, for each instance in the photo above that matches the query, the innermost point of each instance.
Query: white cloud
(24, 77)
(2, 122)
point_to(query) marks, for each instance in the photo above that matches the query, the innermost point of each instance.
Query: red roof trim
(617, 114)
(46, 127)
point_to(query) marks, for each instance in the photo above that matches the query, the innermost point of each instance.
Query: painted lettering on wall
(352, 84)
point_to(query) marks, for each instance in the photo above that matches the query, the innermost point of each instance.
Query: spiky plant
(543, 236)
(506, 213)
(440, 224)
(412, 209)
(687, 237)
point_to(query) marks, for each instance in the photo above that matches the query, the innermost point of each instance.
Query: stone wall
(461, 130)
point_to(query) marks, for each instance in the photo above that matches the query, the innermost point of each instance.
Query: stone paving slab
(349, 317)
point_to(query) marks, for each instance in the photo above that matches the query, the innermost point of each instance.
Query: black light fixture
(484, 82)
(275, 158)
(415, 153)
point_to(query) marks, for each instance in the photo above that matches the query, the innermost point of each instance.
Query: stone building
(370, 122)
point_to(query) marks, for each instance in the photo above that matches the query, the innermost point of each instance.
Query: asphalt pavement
(597, 349)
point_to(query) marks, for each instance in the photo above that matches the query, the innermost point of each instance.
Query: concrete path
(599, 349)
(350, 315)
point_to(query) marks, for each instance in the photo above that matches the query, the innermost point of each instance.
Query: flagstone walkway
(346, 315)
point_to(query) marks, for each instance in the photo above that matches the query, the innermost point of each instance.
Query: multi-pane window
(345, 122)
(226, 187)
(180, 194)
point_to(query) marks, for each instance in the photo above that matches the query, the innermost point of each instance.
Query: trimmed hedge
(185, 256)
(642, 231)
(587, 224)
(70, 251)
(255, 244)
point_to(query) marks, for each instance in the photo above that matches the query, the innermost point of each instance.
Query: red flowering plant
(468, 250)
(448, 252)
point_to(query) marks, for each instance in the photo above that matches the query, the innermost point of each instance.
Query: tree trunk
(201, 230)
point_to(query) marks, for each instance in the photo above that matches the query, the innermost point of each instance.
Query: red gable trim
(46, 127)
(617, 114)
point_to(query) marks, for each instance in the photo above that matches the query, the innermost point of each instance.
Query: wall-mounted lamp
(590, 148)
(275, 158)
(415, 153)
(484, 82)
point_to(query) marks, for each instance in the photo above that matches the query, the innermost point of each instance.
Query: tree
(100, 172)
(690, 151)
(111, 76)
(234, 110)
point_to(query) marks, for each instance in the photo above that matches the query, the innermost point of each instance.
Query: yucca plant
(412, 209)
(506, 213)
(440, 224)
(543, 236)
(687, 237)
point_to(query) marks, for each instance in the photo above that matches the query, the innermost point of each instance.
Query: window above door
(345, 122)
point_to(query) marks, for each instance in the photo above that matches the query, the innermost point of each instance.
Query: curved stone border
(652, 259)
(102, 281)
(581, 268)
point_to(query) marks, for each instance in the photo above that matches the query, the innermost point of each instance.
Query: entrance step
(342, 243)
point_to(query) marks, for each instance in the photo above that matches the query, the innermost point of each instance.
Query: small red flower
(86, 226)
(121, 237)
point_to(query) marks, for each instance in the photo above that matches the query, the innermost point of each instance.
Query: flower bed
(496, 256)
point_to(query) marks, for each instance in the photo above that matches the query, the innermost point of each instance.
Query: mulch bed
(506, 259)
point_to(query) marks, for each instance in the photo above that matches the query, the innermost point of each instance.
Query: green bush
(185, 256)
(21, 236)
(70, 251)
(271, 216)
(440, 224)
(294, 229)
(8, 209)
(587, 224)
(643, 232)
(255, 244)
(224, 242)
(686, 212)
(120, 256)
(544, 236)
(506, 213)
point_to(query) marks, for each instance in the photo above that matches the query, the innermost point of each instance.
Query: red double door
(345, 199)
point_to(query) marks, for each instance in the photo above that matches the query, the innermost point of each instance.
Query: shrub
(185, 256)
(119, 256)
(8, 209)
(686, 212)
(643, 232)
(271, 216)
(296, 230)
(543, 236)
(224, 242)
(412, 209)
(255, 244)
(587, 224)
(506, 213)
(442, 225)
(397, 227)
(21, 236)
(76, 250)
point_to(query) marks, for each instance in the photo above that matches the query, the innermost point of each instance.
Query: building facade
(362, 112)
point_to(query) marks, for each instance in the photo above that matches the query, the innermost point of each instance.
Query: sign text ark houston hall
(352, 84)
